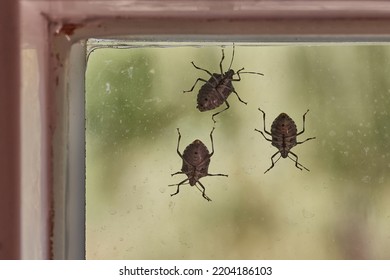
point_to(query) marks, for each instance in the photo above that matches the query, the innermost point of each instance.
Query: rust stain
(58, 61)
(69, 28)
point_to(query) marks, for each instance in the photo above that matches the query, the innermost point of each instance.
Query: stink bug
(196, 160)
(217, 89)
(284, 137)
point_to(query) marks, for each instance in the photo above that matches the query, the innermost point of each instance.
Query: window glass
(135, 102)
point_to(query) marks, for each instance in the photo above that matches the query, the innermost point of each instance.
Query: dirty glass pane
(340, 209)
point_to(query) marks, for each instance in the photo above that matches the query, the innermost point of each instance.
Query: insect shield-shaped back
(284, 137)
(284, 131)
(215, 91)
(218, 87)
(196, 161)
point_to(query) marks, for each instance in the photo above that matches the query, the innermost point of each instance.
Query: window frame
(57, 31)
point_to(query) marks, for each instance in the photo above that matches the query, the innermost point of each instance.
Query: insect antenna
(240, 71)
(248, 72)
(256, 73)
(231, 62)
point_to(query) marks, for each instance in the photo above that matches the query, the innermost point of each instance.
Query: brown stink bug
(196, 160)
(217, 89)
(284, 137)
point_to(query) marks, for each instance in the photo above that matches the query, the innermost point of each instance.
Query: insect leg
(265, 130)
(208, 72)
(212, 152)
(227, 107)
(263, 135)
(303, 130)
(199, 79)
(296, 161)
(239, 97)
(212, 142)
(178, 185)
(273, 162)
(217, 175)
(179, 172)
(306, 140)
(203, 191)
(238, 74)
(178, 143)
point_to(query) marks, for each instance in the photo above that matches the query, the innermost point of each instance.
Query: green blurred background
(338, 210)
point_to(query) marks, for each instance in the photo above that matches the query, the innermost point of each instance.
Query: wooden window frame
(46, 226)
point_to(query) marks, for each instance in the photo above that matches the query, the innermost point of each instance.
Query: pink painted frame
(50, 28)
